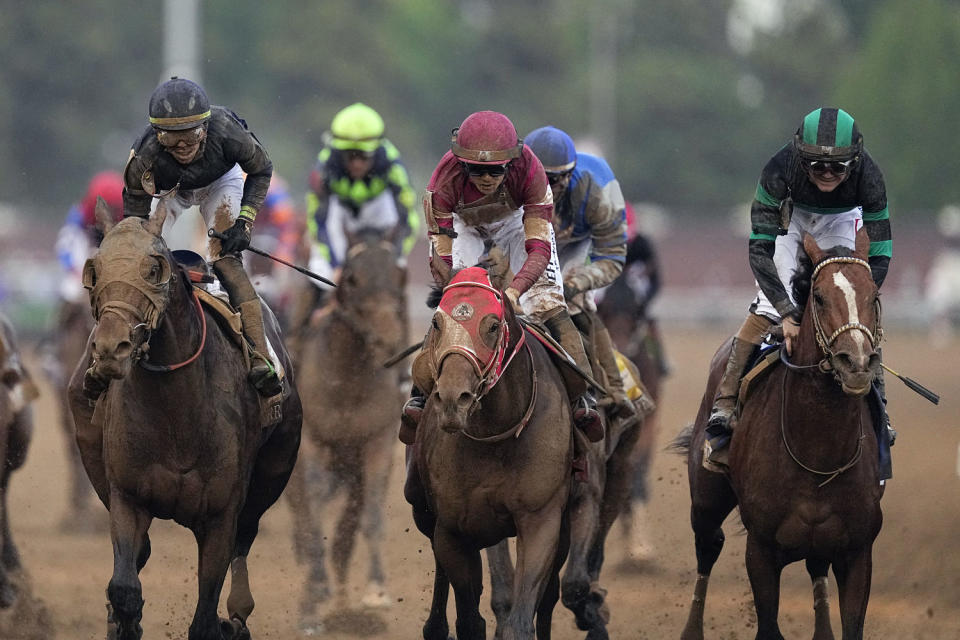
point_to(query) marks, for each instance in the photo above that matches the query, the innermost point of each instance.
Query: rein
(517, 428)
(166, 368)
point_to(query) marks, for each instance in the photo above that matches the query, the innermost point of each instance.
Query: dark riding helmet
(828, 134)
(554, 148)
(179, 104)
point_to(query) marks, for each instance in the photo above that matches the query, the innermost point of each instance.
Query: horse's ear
(862, 248)
(812, 248)
(103, 216)
(155, 223)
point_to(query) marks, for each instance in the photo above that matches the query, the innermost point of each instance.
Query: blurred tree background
(687, 99)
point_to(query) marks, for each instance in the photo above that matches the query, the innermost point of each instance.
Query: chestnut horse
(350, 416)
(16, 428)
(804, 459)
(491, 459)
(180, 436)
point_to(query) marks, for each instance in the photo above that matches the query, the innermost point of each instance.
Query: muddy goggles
(356, 154)
(822, 167)
(189, 137)
(493, 170)
(557, 178)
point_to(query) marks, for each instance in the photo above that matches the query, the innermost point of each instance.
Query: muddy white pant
(546, 295)
(829, 230)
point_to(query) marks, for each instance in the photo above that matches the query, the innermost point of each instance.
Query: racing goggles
(356, 154)
(823, 167)
(557, 178)
(189, 137)
(492, 170)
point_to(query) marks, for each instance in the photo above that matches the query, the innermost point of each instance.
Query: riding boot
(262, 373)
(884, 417)
(585, 414)
(622, 405)
(656, 342)
(718, 430)
(244, 297)
(410, 417)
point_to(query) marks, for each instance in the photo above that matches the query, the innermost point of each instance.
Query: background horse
(803, 460)
(350, 415)
(67, 346)
(596, 499)
(632, 331)
(491, 459)
(16, 427)
(182, 439)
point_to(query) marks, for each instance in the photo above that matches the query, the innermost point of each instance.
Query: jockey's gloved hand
(514, 297)
(236, 238)
(572, 285)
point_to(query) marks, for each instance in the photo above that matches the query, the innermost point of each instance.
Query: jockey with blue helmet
(591, 232)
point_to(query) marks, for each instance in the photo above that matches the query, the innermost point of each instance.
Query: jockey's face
(485, 177)
(826, 182)
(359, 163)
(558, 184)
(182, 145)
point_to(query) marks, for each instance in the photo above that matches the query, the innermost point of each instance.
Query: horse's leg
(464, 568)
(854, 572)
(538, 538)
(764, 571)
(551, 594)
(712, 500)
(817, 569)
(129, 524)
(216, 542)
(350, 467)
(271, 472)
(308, 540)
(89, 436)
(436, 627)
(501, 579)
(584, 510)
(378, 459)
(8, 592)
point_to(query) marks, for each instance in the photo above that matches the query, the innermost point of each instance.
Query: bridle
(151, 302)
(825, 343)
(490, 370)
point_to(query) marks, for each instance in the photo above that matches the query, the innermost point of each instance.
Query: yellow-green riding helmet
(356, 127)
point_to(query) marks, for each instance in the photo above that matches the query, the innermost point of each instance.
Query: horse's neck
(178, 334)
(506, 403)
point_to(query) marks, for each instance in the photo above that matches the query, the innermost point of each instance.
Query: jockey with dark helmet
(823, 183)
(358, 182)
(590, 226)
(193, 153)
(491, 187)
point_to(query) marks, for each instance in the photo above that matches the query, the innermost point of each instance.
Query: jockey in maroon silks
(490, 189)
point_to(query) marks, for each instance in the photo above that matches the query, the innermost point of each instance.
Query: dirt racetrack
(916, 585)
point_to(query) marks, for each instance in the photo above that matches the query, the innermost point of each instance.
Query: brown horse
(350, 415)
(803, 460)
(632, 331)
(179, 436)
(16, 428)
(491, 459)
(594, 504)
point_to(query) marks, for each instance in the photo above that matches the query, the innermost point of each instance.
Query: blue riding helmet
(554, 148)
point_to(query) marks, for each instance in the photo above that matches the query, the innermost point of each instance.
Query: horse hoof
(234, 629)
(376, 597)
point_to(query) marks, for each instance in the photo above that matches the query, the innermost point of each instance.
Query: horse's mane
(801, 280)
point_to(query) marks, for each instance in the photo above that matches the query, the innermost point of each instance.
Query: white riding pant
(829, 230)
(546, 295)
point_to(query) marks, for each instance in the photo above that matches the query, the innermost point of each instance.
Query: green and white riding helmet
(828, 134)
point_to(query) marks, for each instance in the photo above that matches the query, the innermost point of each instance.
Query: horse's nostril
(124, 349)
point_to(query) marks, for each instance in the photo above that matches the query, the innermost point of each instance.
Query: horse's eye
(818, 298)
(494, 327)
(435, 324)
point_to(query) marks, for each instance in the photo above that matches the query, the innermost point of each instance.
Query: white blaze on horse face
(851, 297)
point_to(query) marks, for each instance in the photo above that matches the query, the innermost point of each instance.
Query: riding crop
(213, 233)
(915, 386)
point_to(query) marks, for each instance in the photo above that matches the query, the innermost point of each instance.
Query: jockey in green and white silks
(824, 183)
(359, 182)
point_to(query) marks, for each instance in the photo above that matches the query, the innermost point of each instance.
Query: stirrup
(716, 455)
(587, 418)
